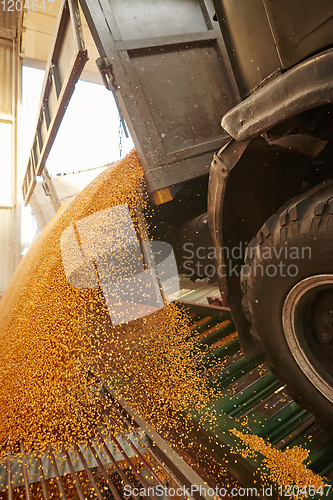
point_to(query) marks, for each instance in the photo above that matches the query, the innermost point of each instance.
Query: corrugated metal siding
(9, 217)
(6, 81)
(7, 239)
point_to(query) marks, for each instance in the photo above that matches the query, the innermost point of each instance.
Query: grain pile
(284, 467)
(52, 335)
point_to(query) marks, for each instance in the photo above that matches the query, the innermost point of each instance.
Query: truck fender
(249, 181)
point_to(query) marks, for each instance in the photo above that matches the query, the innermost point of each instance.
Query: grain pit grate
(104, 468)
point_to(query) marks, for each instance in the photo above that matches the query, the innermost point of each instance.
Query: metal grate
(103, 468)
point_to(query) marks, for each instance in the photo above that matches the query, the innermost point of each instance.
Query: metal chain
(120, 133)
(61, 174)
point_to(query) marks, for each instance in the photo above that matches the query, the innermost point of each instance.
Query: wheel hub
(307, 318)
(322, 321)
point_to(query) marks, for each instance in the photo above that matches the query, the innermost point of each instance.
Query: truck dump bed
(168, 68)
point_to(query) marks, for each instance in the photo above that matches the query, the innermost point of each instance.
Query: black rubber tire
(306, 221)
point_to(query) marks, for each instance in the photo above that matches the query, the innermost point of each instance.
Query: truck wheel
(287, 282)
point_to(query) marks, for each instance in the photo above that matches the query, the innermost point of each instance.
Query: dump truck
(229, 104)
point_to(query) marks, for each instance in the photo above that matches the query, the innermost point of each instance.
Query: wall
(10, 198)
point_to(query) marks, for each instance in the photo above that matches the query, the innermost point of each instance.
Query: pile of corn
(53, 335)
(283, 467)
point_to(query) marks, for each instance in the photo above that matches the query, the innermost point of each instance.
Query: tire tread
(309, 213)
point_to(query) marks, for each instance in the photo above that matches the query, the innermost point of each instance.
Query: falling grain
(53, 336)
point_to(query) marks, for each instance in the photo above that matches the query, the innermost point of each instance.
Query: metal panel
(38, 27)
(249, 41)
(195, 115)
(6, 109)
(7, 252)
(65, 64)
(142, 20)
(6, 80)
(300, 27)
(170, 73)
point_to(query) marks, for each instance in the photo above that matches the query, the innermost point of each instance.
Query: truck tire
(287, 281)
